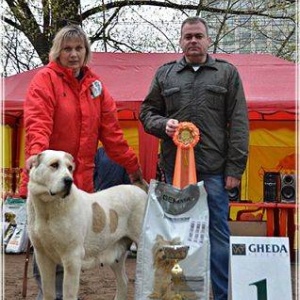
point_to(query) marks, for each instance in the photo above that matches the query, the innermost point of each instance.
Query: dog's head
(51, 173)
(159, 257)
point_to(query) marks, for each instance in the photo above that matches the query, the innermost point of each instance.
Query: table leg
(270, 221)
(283, 222)
(287, 227)
(291, 228)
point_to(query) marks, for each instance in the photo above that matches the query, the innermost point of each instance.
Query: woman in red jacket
(68, 108)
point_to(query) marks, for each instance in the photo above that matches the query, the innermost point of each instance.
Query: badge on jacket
(96, 88)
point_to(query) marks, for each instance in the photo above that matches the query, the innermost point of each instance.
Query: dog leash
(24, 290)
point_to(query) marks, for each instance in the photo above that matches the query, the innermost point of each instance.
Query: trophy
(175, 253)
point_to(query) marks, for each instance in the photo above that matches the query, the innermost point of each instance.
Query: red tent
(269, 84)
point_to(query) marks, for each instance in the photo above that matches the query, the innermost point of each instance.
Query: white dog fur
(78, 230)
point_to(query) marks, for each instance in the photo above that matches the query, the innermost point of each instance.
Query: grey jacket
(213, 99)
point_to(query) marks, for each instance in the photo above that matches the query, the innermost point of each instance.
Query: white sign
(260, 268)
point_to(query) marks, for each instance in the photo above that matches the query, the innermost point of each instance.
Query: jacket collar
(210, 63)
(65, 72)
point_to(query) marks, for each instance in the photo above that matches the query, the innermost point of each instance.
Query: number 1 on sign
(261, 287)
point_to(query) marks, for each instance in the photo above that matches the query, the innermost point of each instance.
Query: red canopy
(269, 84)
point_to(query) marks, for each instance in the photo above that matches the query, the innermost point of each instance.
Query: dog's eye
(70, 168)
(54, 165)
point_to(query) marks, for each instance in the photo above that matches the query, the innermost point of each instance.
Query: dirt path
(95, 284)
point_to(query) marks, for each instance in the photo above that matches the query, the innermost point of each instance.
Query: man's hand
(171, 127)
(136, 176)
(231, 182)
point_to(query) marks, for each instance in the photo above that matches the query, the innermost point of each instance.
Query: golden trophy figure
(175, 253)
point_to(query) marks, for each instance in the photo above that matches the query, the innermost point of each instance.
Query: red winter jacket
(63, 113)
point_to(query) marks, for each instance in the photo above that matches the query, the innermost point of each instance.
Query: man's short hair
(193, 20)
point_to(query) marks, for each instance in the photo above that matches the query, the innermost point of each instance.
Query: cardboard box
(248, 228)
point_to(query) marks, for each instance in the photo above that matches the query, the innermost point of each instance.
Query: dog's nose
(68, 182)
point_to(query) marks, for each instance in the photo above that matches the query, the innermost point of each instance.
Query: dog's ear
(70, 157)
(33, 161)
(159, 238)
(176, 241)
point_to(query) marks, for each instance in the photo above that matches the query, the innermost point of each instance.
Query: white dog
(78, 230)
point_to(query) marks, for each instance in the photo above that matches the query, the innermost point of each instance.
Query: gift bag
(15, 215)
(173, 258)
(18, 241)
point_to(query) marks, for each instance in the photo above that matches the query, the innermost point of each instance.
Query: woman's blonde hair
(66, 33)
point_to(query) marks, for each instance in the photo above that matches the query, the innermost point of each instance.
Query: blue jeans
(219, 234)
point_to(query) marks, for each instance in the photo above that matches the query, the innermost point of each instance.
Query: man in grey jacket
(207, 92)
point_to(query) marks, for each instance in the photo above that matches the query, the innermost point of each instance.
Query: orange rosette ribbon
(187, 135)
(185, 138)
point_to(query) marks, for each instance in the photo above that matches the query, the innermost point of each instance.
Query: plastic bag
(173, 258)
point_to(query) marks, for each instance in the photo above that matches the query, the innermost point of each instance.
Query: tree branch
(176, 6)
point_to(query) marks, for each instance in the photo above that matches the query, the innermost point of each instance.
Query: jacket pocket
(215, 98)
(171, 91)
(216, 89)
(172, 99)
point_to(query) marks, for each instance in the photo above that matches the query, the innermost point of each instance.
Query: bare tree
(144, 26)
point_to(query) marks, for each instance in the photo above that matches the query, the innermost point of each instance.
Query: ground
(97, 283)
